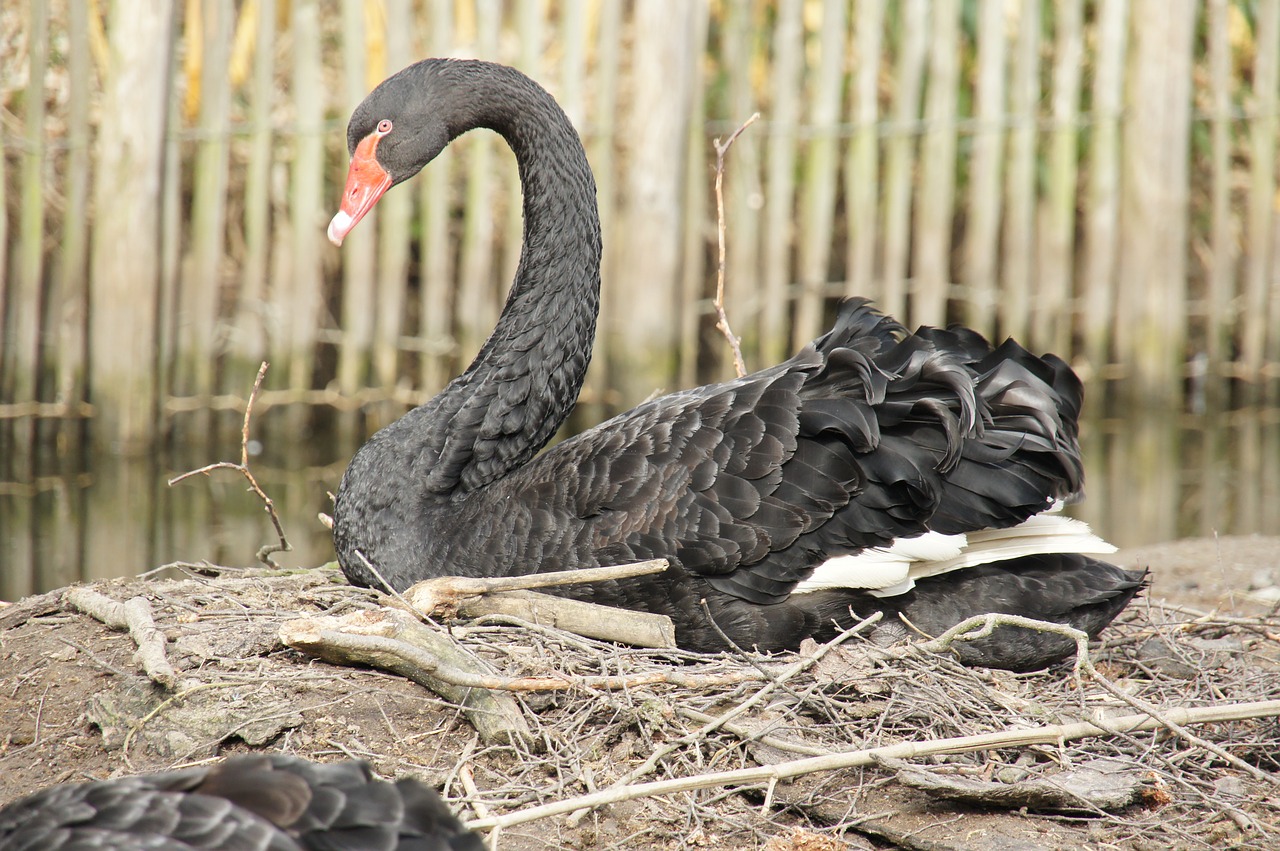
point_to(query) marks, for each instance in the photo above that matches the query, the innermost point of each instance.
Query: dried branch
(393, 641)
(456, 596)
(716, 723)
(592, 620)
(134, 616)
(1049, 734)
(982, 626)
(424, 593)
(384, 639)
(722, 318)
(265, 552)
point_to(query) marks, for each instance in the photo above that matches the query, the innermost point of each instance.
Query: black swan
(254, 801)
(761, 491)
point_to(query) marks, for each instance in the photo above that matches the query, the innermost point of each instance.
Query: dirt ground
(75, 705)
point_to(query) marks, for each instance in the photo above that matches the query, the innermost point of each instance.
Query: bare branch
(1049, 734)
(265, 552)
(722, 318)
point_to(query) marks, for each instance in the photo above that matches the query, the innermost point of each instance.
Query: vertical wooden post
(1151, 327)
(478, 302)
(126, 251)
(253, 322)
(900, 152)
(641, 329)
(862, 178)
(1262, 294)
(200, 287)
(1220, 286)
(933, 213)
(1051, 316)
(744, 198)
(1020, 176)
(360, 292)
(697, 189)
(818, 193)
(1102, 194)
(779, 211)
(22, 338)
(70, 298)
(600, 150)
(393, 230)
(300, 302)
(982, 233)
(436, 266)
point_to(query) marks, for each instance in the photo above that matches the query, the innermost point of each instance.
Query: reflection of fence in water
(1158, 476)
(1150, 478)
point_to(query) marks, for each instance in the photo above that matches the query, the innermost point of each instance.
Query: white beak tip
(339, 227)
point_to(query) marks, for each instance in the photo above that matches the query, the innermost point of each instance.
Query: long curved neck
(505, 407)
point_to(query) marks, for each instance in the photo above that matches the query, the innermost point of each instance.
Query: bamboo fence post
(982, 235)
(693, 251)
(608, 50)
(23, 337)
(934, 214)
(642, 331)
(253, 323)
(436, 268)
(199, 294)
(573, 62)
(900, 150)
(301, 303)
(69, 300)
(1102, 194)
(392, 284)
(361, 294)
(1223, 253)
(1149, 332)
(744, 197)
(862, 165)
(821, 174)
(1052, 313)
(1262, 295)
(127, 187)
(785, 96)
(1020, 176)
(531, 36)
(477, 296)
(174, 222)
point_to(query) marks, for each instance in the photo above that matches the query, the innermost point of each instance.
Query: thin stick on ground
(982, 626)
(1049, 734)
(265, 552)
(722, 318)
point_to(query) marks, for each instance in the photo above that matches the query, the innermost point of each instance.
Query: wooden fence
(1096, 178)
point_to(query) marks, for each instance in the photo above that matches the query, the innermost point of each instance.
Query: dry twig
(265, 552)
(134, 616)
(456, 596)
(722, 318)
(907, 750)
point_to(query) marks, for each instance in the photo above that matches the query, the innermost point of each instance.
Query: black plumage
(868, 435)
(252, 802)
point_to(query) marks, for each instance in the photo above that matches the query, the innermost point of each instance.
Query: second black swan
(272, 802)
(877, 470)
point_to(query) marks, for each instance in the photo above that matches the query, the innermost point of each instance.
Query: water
(1151, 477)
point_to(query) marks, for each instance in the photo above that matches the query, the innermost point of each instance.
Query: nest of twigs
(844, 745)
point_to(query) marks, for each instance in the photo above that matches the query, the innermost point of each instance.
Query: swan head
(400, 127)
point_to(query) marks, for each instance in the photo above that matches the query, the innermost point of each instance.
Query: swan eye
(384, 126)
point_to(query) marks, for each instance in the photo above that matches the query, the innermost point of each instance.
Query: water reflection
(1152, 477)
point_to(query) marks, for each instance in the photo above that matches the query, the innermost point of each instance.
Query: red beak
(367, 180)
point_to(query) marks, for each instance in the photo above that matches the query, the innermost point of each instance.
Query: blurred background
(1095, 177)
